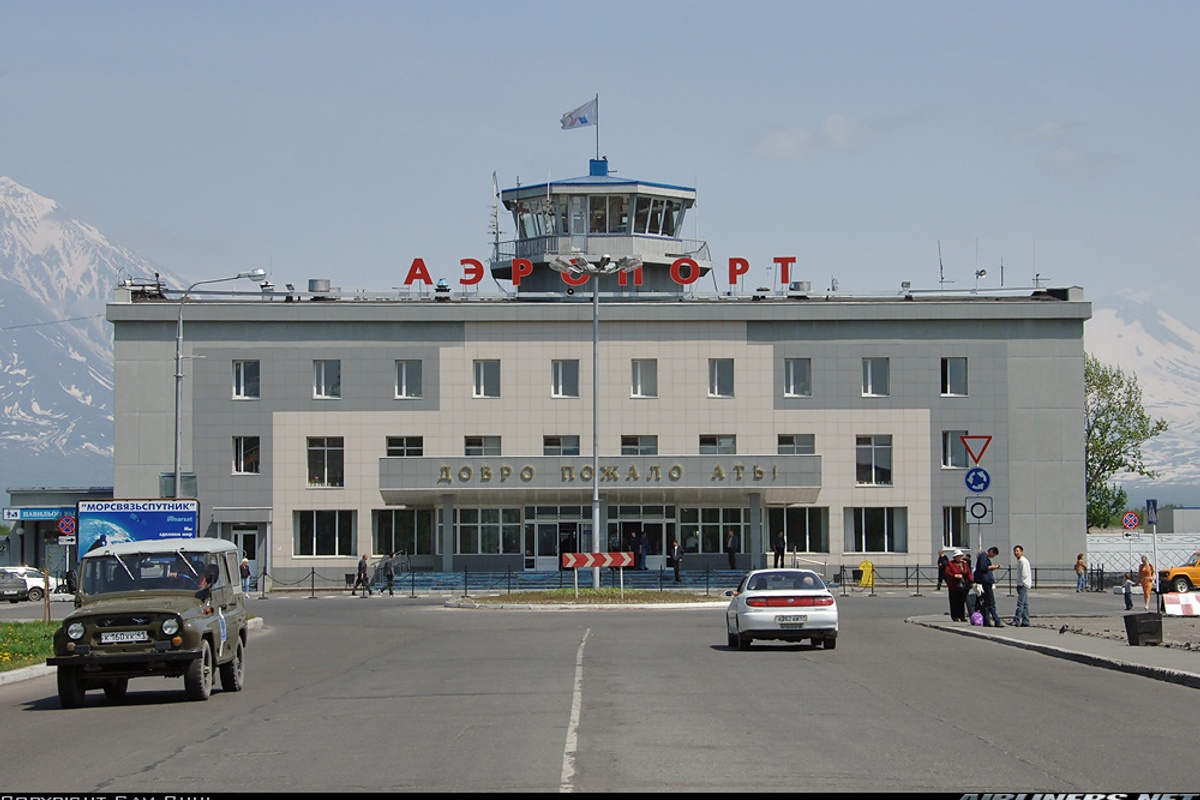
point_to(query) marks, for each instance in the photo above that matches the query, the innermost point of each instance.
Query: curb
(1188, 679)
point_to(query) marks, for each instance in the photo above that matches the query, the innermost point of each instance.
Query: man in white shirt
(1024, 583)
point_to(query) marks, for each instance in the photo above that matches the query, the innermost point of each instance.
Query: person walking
(362, 579)
(942, 561)
(986, 578)
(244, 571)
(1146, 578)
(780, 549)
(643, 550)
(731, 548)
(676, 558)
(1024, 584)
(1127, 590)
(958, 583)
(1080, 573)
(389, 573)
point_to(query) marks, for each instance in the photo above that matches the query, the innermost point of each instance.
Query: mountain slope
(56, 361)
(1130, 332)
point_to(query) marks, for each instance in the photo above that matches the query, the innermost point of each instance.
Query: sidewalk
(1093, 640)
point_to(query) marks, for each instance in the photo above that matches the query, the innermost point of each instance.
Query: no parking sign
(1130, 520)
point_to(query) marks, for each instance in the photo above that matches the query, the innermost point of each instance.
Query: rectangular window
(408, 531)
(326, 461)
(954, 526)
(704, 530)
(560, 445)
(645, 377)
(324, 533)
(875, 382)
(876, 530)
(408, 446)
(489, 531)
(797, 444)
(720, 377)
(797, 377)
(487, 378)
(718, 445)
(873, 460)
(954, 377)
(481, 445)
(245, 455)
(408, 379)
(245, 380)
(805, 530)
(639, 445)
(327, 379)
(564, 378)
(954, 452)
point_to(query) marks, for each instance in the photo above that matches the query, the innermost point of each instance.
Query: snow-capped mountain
(1131, 333)
(56, 365)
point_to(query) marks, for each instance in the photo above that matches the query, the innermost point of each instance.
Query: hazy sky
(343, 140)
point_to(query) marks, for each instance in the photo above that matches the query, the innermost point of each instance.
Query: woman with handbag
(958, 583)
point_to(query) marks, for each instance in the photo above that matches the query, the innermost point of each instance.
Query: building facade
(458, 429)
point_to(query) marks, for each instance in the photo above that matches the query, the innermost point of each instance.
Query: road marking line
(568, 767)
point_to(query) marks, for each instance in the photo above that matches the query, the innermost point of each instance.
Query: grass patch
(607, 595)
(24, 644)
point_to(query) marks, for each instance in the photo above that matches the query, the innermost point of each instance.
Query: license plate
(116, 637)
(791, 620)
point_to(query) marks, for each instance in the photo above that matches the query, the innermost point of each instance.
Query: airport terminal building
(491, 433)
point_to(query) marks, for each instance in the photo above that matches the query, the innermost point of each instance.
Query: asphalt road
(397, 694)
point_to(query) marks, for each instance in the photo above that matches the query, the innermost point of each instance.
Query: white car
(35, 581)
(788, 605)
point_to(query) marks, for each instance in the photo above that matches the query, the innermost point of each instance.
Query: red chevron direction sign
(585, 560)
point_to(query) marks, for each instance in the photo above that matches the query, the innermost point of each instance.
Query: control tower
(605, 221)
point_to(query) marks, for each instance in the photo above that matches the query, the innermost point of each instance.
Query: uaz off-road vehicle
(172, 608)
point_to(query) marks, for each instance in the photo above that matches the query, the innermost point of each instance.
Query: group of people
(962, 581)
(363, 576)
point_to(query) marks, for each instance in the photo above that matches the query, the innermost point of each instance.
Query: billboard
(104, 522)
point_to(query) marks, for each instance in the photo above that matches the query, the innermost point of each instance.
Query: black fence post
(312, 583)
(262, 585)
(466, 582)
(707, 569)
(918, 571)
(412, 578)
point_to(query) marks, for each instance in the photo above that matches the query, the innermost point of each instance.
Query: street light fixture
(256, 275)
(578, 265)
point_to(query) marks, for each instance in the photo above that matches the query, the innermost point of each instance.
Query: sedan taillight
(789, 601)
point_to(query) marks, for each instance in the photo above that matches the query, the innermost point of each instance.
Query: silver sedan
(788, 605)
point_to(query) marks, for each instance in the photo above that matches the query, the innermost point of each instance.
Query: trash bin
(1143, 629)
(350, 576)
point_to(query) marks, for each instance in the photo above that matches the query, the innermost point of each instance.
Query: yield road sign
(978, 480)
(1130, 520)
(972, 442)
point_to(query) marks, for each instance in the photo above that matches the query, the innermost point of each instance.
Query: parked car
(788, 605)
(35, 581)
(171, 608)
(12, 588)
(1182, 578)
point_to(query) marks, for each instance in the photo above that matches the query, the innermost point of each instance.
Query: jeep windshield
(132, 572)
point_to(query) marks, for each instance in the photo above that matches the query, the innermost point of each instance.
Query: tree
(1117, 426)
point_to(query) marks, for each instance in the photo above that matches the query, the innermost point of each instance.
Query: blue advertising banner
(104, 522)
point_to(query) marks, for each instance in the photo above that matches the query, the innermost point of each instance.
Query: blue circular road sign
(978, 480)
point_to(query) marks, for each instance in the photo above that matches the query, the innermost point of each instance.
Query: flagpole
(597, 126)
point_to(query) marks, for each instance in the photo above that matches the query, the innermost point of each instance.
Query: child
(1128, 591)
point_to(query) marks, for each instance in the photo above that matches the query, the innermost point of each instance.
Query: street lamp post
(578, 265)
(256, 275)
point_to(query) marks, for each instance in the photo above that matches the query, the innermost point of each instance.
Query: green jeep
(172, 608)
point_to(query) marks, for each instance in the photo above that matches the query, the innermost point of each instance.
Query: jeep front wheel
(197, 681)
(1182, 584)
(233, 672)
(70, 691)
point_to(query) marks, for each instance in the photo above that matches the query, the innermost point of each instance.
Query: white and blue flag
(586, 114)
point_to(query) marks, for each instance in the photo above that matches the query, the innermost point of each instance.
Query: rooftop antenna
(941, 269)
